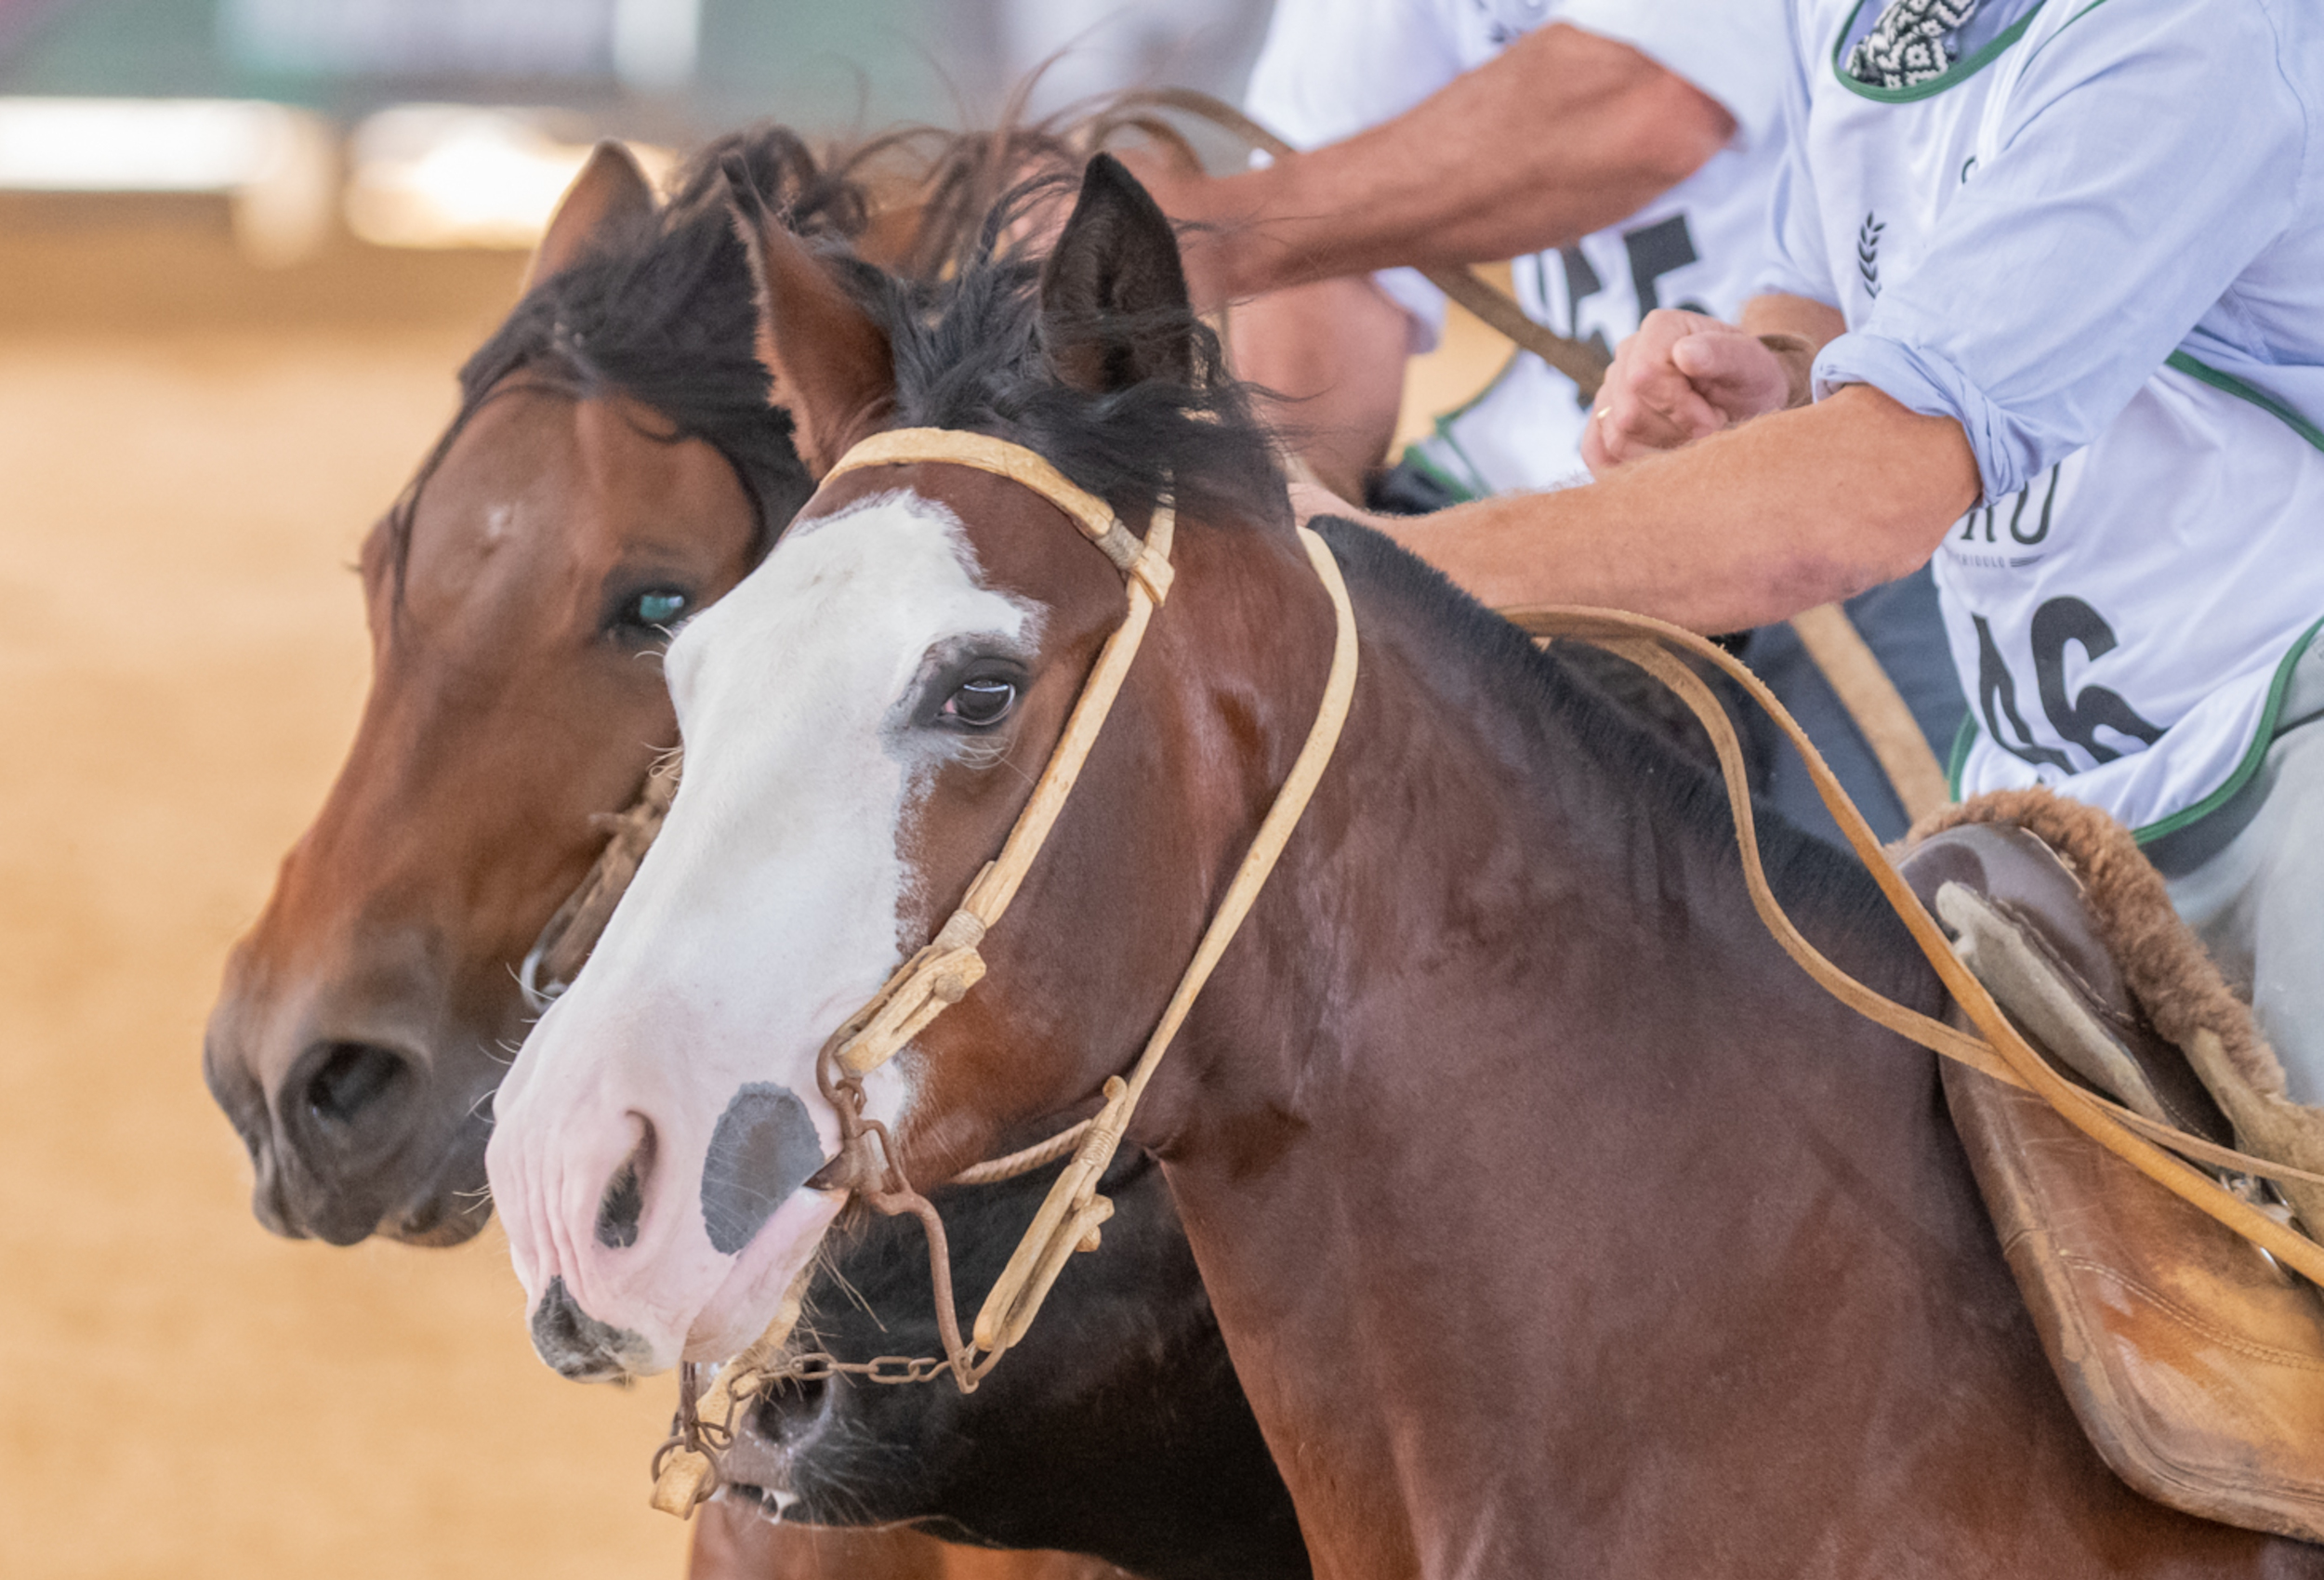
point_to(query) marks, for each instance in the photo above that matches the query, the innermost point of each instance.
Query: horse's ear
(830, 361)
(1113, 304)
(610, 195)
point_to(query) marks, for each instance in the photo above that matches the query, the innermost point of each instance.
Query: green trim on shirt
(1474, 486)
(1957, 760)
(2263, 737)
(2228, 382)
(1959, 71)
(2067, 24)
(2254, 755)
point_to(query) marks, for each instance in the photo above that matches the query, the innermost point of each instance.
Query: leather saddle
(2195, 1363)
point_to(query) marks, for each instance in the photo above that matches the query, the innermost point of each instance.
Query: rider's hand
(1682, 378)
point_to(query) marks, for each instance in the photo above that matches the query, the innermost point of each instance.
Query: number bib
(1702, 246)
(2119, 623)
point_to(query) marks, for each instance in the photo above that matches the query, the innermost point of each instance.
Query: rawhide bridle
(564, 943)
(941, 974)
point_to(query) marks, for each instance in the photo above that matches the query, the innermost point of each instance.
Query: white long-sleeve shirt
(2098, 243)
(1333, 67)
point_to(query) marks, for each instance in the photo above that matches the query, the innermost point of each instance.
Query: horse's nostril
(576, 1344)
(623, 1202)
(352, 1078)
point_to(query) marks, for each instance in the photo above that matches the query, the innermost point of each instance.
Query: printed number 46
(2060, 622)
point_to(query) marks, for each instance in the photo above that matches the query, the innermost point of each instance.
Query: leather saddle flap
(2195, 1364)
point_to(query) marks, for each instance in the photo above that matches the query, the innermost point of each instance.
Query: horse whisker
(832, 1272)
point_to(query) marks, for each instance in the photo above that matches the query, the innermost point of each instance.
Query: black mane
(1810, 877)
(665, 315)
(968, 355)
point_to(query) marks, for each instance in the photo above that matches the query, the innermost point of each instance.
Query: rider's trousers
(2258, 901)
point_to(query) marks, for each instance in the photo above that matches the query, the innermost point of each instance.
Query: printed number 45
(1654, 250)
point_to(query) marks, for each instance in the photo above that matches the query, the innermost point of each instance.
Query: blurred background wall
(319, 139)
(244, 245)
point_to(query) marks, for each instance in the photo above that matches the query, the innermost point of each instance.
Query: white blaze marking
(769, 907)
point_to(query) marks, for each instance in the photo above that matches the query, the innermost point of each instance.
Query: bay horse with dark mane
(1555, 1221)
(616, 466)
(613, 467)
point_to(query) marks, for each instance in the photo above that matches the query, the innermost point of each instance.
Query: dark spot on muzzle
(578, 1345)
(763, 1149)
(623, 1202)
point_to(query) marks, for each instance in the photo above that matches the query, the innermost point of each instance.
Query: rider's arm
(1746, 527)
(1335, 350)
(2090, 243)
(1564, 133)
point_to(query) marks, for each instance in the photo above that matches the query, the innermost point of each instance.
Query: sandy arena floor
(182, 659)
(181, 656)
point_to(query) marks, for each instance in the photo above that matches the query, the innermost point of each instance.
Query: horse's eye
(659, 607)
(981, 703)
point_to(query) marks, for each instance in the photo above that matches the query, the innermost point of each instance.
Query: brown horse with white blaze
(1555, 1221)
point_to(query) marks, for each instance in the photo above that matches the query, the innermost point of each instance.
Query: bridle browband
(941, 974)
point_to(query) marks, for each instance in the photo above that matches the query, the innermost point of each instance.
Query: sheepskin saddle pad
(2195, 1363)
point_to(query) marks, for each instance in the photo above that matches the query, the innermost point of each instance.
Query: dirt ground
(182, 658)
(182, 486)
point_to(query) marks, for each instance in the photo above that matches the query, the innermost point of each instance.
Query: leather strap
(1876, 708)
(942, 974)
(1147, 560)
(565, 940)
(2004, 1053)
(1010, 1309)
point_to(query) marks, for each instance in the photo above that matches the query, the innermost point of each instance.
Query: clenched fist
(1680, 377)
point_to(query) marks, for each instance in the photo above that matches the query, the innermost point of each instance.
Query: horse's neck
(1513, 1075)
(1498, 846)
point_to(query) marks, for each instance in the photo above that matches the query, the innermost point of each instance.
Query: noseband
(941, 974)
